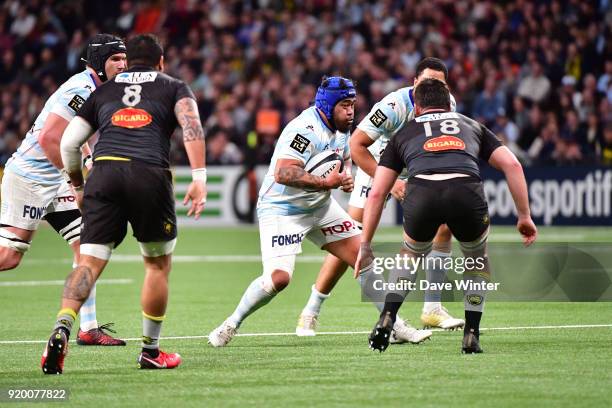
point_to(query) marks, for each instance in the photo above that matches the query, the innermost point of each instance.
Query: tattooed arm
(291, 173)
(188, 117)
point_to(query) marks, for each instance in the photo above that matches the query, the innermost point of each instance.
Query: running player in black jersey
(135, 115)
(440, 150)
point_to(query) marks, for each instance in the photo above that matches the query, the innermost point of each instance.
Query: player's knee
(9, 259)
(280, 279)
(414, 248)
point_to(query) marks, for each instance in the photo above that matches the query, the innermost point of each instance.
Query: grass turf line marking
(341, 333)
(62, 282)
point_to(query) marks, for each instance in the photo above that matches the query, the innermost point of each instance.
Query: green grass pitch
(560, 367)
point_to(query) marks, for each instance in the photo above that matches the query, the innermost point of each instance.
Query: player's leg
(434, 314)
(79, 283)
(14, 243)
(331, 271)
(422, 217)
(157, 258)
(281, 240)
(277, 275)
(23, 205)
(105, 226)
(469, 222)
(381, 335)
(65, 218)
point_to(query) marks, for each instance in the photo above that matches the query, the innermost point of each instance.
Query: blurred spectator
(219, 149)
(253, 66)
(535, 86)
(488, 103)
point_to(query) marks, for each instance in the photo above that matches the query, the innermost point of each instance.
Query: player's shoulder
(306, 123)
(80, 83)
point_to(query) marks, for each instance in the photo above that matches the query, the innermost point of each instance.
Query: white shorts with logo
(26, 202)
(282, 235)
(363, 185)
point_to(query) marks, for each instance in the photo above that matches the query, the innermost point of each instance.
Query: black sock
(393, 302)
(152, 352)
(65, 330)
(472, 322)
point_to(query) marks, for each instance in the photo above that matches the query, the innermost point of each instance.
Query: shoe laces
(106, 327)
(227, 332)
(309, 321)
(403, 326)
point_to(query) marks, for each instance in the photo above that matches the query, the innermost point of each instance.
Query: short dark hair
(432, 93)
(430, 62)
(144, 49)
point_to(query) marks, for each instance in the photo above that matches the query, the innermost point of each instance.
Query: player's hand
(365, 257)
(78, 195)
(527, 229)
(334, 179)
(347, 182)
(196, 193)
(399, 190)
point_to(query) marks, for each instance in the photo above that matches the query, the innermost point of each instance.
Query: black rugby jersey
(445, 142)
(134, 114)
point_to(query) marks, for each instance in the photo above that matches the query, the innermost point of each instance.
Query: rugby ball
(324, 163)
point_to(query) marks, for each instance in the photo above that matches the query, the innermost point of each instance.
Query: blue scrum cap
(331, 91)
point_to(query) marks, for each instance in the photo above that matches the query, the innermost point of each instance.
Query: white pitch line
(62, 281)
(341, 333)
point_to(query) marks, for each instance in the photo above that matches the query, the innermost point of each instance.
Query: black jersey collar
(140, 68)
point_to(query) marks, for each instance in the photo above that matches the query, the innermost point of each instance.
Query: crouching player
(295, 204)
(441, 149)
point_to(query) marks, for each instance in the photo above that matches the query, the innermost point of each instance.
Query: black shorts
(120, 192)
(459, 203)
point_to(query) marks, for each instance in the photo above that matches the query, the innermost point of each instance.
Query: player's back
(304, 137)
(29, 160)
(134, 114)
(446, 142)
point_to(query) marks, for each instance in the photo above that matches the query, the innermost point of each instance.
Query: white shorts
(282, 235)
(26, 202)
(363, 185)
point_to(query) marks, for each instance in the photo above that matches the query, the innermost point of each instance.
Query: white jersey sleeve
(385, 117)
(29, 160)
(70, 100)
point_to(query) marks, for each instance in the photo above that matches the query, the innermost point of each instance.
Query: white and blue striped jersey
(388, 116)
(29, 160)
(304, 137)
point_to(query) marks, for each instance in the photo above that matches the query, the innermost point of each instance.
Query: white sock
(87, 313)
(313, 307)
(151, 330)
(254, 297)
(437, 275)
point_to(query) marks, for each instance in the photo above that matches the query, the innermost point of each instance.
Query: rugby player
(294, 205)
(440, 149)
(33, 188)
(135, 114)
(367, 143)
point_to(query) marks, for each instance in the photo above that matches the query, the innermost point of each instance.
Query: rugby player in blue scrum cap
(294, 204)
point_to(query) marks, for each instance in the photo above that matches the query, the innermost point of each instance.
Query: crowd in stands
(538, 73)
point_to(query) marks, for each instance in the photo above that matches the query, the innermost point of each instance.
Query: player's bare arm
(383, 182)
(188, 117)
(504, 160)
(50, 137)
(359, 144)
(291, 173)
